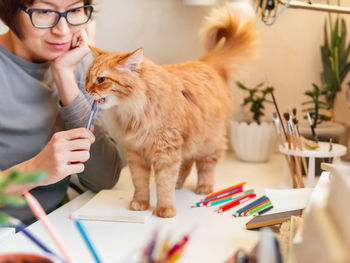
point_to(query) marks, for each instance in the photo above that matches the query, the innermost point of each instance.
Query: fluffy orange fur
(169, 117)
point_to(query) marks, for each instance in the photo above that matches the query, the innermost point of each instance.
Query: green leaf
(4, 220)
(259, 85)
(34, 176)
(12, 200)
(240, 85)
(307, 102)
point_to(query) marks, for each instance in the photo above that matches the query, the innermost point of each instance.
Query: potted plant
(254, 141)
(335, 53)
(15, 177)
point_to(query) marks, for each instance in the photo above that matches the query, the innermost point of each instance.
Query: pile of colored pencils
(227, 198)
(162, 251)
(257, 207)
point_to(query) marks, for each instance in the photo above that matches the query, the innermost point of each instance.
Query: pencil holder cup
(25, 258)
(253, 142)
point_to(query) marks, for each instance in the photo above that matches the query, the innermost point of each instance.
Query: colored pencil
(21, 227)
(226, 194)
(257, 209)
(236, 202)
(245, 208)
(257, 205)
(86, 238)
(232, 197)
(266, 209)
(178, 246)
(41, 215)
(225, 190)
(222, 196)
(92, 113)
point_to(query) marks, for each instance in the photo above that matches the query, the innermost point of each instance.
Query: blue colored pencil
(263, 211)
(245, 208)
(86, 239)
(92, 113)
(21, 227)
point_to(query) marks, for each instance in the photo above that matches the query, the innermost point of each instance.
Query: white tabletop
(214, 237)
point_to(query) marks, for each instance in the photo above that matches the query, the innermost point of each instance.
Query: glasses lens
(78, 16)
(44, 18)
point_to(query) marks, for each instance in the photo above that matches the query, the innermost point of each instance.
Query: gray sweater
(30, 113)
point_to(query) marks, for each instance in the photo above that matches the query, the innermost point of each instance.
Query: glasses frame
(30, 11)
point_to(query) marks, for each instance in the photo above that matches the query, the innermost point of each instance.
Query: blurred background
(288, 57)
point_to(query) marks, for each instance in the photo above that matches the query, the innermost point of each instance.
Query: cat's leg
(140, 174)
(205, 169)
(166, 169)
(185, 170)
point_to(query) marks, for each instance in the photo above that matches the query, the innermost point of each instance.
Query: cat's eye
(101, 79)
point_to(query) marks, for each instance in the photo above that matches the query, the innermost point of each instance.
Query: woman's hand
(63, 66)
(64, 154)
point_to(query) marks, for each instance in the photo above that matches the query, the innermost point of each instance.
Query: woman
(48, 39)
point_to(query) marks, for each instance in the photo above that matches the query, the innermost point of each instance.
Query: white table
(214, 237)
(321, 152)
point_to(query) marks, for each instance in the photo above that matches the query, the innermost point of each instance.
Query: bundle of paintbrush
(292, 140)
(290, 137)
(160, 250)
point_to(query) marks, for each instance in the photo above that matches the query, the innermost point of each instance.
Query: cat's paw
(204, 189)
(139, 205)
(179, 185)
(168, 211)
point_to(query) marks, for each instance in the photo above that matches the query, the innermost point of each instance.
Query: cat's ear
(132, 61)
(96, 51)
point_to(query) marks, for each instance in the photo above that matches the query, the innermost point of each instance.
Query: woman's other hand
(63, 66)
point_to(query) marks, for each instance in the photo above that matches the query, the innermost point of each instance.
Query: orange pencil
(225, 190)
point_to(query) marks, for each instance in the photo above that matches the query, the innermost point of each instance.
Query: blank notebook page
(111, 205)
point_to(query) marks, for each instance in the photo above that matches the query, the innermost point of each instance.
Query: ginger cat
(172, 116)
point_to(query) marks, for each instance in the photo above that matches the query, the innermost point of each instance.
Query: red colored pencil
(236, 202)
(225, 190)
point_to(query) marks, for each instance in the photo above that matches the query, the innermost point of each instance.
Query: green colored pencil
(257, 209)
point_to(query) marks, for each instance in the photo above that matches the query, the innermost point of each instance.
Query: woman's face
(47, 44)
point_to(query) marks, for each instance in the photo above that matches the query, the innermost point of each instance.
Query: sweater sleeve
(103, 168)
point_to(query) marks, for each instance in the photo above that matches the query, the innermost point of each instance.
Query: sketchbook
(111, 205)
(272, 219)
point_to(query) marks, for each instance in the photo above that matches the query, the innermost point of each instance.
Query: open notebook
(111, 205)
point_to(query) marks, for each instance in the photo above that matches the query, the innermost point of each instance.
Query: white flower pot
(253, 142)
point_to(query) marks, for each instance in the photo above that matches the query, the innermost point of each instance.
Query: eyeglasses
(47, 18)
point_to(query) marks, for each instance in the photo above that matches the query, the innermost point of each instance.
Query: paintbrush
(278, 112)
(311, 125)
(296, 158)
(300, 145)
(277, 127)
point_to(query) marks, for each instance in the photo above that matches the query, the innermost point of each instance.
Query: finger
(78, 157)
(92, 128)
(78, 133)
(79, 144)
(91, 30)
(75, 40)
(83, 38)
(75, 168)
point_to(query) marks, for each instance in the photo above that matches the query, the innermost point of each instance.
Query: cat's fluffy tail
(229, 42)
